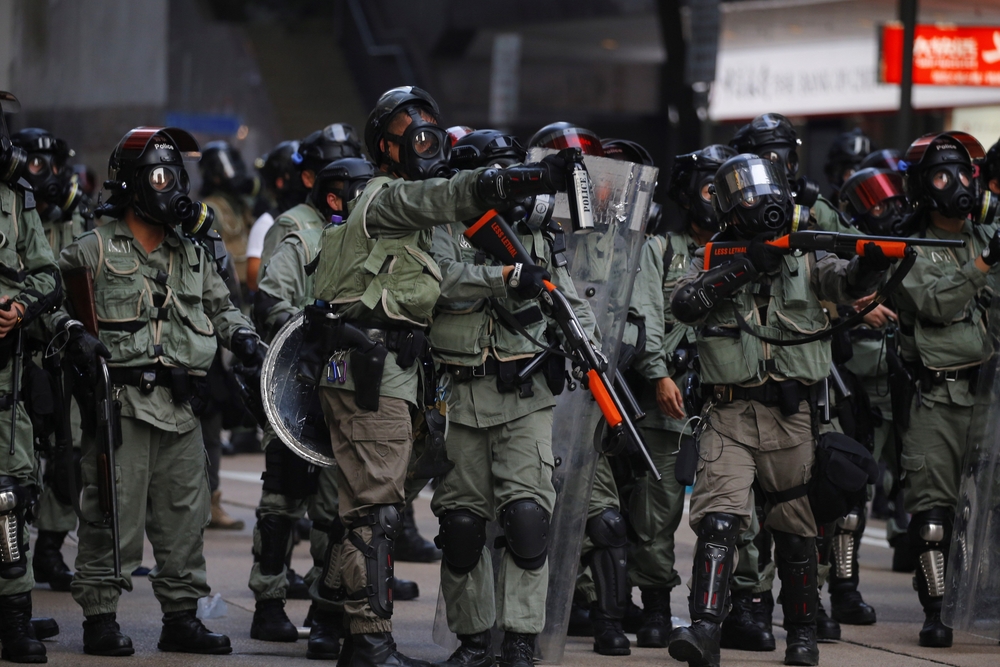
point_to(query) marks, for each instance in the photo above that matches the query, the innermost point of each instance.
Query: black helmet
(345, 178)
(485, 148)
(626, 150)
(845, 155)
(146, 171)
(991, 165)
(222, 168)
(424, 147)
(46, 171)
(886, 158)
(13, 160)
(940, 173)
(751, 195)
(690, 178)
(566, 135)
(456, 132)
(773, 137)
(322, 147)
(874, 200)
(279, 164)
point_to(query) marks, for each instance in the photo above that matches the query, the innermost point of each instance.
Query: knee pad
(386, 524)
(607, 529)
(14, 502)
(461, 538)
(719, 527)
(526, 532)
(846, 537)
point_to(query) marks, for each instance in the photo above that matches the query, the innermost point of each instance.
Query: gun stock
(80, 296)
(891, 246)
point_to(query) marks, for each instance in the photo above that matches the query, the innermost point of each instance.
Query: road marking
(253, 477)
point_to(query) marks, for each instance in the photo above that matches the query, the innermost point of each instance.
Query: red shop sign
(943, 55)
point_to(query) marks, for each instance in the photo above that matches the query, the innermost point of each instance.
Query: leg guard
(846, 538)
(608, 563)
(526, 532)
(714, 558)
(275, 534)
(386, 525)
(930, 537)
(14, 500)
(461, 539)
(796, 559)
(329, 586)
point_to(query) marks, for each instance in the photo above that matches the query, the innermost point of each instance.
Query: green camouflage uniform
(376, 269)
(501, 443)
(22, 247)
(161, 467)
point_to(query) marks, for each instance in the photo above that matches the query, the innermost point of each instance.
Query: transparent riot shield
(603, 264)
(972, 584)
(291, 405)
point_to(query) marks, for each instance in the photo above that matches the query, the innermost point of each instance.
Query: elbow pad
(692, 301)
(502, 186)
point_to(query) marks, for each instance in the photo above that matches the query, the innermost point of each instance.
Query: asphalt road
(891, 642)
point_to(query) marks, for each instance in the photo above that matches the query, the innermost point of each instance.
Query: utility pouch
(201, 394)
(410, 348)
(432, 460)
(317, 344)
(790, 397)
(686, 465)
(180, 385)
(840, 477)
(506, 376)
(554, 368)
(367, 366)
(116, 421)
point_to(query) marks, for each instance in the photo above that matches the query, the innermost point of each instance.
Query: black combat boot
(846, 604)
(325, 634)
(271, 624)
(762, 608)
(579, 618)
(103, 636)
(796, 559)
(930, 534)
(16, 636)
(44, 627)
(377, 649)
(297, 588)
(740, 630)
(475, 651)
(517, 650)
(411, 546)
(48, 563)
(404, 589)
(182, 632)
(714, 554)
(634, 617)
(609, 568)
(656, 626)
(827, 629)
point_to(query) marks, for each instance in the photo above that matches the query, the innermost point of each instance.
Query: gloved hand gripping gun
(80, 294)
(492, 234)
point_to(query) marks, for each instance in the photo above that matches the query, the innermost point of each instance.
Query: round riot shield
(972, 583)
(602, 263)
(291, 405)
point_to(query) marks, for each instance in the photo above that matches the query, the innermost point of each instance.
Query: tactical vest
(464, 333)
(232, 221)
(375, 280)
(962, 342)
(149, 316)
(793, 309)
(676, 260)
(10, 211)
(301, 217)
(309, 240)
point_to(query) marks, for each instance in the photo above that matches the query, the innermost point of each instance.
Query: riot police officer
(160, 306)
(759, 420)
(29, 287)
(844, 156)
(376, 286)
(229, 188)
(319, 149)
(943, 304)
(282, 183)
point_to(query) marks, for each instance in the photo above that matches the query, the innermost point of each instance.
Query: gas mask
(952, 188)
(874, 199)
(700, 210)
(13, 160)
(751, 195)
(424, 149)
(161, 198)
(940, 174)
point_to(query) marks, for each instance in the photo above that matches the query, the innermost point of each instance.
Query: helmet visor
(874, 190)
(745, 180)
(573, 137)
(918, 148)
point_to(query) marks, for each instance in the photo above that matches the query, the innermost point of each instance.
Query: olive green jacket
(23, 247)
(296, 219)
(284, 277)
(163, 307)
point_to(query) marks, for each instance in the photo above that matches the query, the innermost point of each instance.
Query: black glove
(246, 346)
(83, 349)
(765, 258)
(555, 169)
(991, 253)
(526, 280)
(875, 261)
